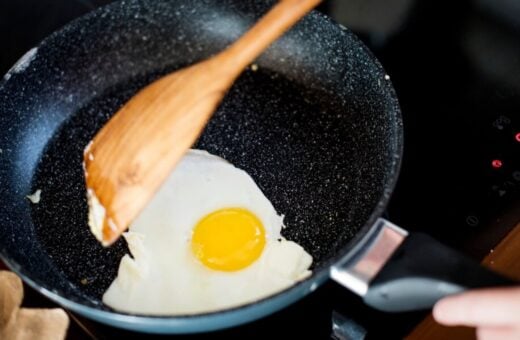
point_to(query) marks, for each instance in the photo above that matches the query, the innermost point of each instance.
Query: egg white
(165, 278)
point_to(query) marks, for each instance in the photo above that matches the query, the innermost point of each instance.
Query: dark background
(456, 69)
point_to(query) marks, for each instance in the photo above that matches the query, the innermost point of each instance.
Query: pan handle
(417, 273)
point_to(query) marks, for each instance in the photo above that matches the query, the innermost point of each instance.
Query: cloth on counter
(27, 323)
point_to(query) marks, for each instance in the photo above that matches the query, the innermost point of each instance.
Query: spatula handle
(270, 27)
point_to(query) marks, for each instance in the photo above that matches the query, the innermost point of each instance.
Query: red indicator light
(497, 163)
(517, 137)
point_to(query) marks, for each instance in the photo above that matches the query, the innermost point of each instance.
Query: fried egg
(208, 240)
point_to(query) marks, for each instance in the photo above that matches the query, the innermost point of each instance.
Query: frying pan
(317, 126)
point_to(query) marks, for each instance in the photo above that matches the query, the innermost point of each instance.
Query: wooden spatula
(136, 150)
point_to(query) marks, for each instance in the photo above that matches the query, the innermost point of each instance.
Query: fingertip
(492, 307)
(445, 311)
(439, 311)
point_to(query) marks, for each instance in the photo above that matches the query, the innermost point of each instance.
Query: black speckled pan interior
(317, 126)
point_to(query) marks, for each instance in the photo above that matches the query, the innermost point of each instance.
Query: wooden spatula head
(148, 134)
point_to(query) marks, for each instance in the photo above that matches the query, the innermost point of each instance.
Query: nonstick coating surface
(317, 126)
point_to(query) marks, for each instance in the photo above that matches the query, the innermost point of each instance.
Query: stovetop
(456, 70)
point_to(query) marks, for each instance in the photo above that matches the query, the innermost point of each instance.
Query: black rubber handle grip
(422, 271)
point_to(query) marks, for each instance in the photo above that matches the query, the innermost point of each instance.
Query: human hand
(494, 312)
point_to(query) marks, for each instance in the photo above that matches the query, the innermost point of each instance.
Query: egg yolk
(228, 239)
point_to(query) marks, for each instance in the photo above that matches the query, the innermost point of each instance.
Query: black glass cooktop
(456, 69)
